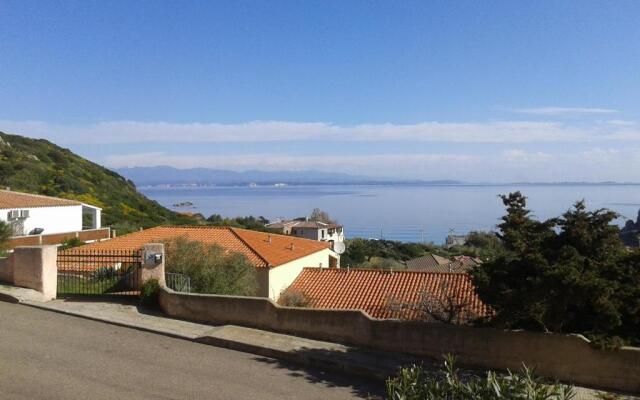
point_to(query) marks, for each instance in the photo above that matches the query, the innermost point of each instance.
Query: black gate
(104, 273)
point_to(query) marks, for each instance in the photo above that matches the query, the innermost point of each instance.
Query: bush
(71, 243)
(414, 383)
(211, 268)
(294, 298)
(149, 293)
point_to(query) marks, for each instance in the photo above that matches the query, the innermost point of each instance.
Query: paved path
(45, 355)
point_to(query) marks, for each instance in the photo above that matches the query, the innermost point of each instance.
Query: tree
(445, 305)
(211, 268)
(568, 274)
(321, 216)
(5, 235)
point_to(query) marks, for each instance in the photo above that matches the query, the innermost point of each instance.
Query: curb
(333, 364)
(108, 321)
(7, 298)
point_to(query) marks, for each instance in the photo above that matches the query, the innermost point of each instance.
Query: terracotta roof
(428, 261)
(379, 293)
(434, 263)
(10, 199)
(262, 249)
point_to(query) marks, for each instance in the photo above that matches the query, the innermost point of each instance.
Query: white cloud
(564, 111)
(262, 131)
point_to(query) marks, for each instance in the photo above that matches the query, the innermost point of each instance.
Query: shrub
(211, 268)
(414, 383)
(294, 298)
(71, 243)
(149, 293)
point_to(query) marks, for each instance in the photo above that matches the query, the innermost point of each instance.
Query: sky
(495, 91)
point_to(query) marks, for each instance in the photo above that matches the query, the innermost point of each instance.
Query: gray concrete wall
(566, 357)
(6, 269)
(34, 267)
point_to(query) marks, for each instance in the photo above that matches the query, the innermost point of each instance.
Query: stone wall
(566, 357)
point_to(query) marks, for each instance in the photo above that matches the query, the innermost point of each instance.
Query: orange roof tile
(385, 294)
(262, 249)
(10, 199)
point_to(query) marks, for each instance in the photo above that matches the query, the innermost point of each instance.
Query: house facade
(278, 259)
(313, 230)
(31, 214)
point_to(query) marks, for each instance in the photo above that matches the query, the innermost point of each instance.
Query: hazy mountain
(203, 176)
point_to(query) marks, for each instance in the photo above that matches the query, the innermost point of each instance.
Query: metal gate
(104, 273)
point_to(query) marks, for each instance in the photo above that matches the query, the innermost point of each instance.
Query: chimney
(8, 188)
(269, 239)
(292, 247)
(114, 234)
(141, 229)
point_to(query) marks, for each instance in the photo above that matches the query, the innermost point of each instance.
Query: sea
(403, 212)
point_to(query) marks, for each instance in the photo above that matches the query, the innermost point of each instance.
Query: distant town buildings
(314, 230)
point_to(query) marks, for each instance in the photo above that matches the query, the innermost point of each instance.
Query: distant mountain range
(163, 175)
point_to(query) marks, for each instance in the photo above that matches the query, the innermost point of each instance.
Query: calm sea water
(405, 213)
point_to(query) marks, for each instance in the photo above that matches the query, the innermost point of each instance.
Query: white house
(314, 230)
(31, 214)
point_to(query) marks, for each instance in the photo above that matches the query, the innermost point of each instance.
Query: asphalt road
(45, 355)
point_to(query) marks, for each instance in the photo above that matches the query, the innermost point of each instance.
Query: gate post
(152, 263)
(35, 267)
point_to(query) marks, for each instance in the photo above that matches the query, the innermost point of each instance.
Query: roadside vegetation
(211, 269)
(386, 254)
(570, 274)
(416, 383)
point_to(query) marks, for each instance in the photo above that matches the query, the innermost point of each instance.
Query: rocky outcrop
(630, 234)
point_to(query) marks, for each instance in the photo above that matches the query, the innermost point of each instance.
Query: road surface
(45, 355)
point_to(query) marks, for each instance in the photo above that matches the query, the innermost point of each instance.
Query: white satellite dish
(339, 247)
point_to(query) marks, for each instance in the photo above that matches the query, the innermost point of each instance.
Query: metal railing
(178, 282)
(98, 272)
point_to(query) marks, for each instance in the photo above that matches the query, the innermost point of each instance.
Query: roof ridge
(387, 271)
(254, 251)
(42, 196)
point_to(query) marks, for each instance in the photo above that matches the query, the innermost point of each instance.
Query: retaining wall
(566, 357)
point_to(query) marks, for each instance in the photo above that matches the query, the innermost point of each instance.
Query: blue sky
(479, 91)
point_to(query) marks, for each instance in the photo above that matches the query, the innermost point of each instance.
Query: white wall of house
(51, 219)
(282, 276)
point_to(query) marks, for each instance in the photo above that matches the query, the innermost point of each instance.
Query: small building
(314, 230)
(32, 214)
(390, 294)
(278, 259)
(455, 240)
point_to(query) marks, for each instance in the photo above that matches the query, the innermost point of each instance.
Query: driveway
(45, 355)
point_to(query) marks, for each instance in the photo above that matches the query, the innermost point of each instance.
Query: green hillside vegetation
(39, 166)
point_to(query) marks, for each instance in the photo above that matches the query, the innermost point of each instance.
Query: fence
(98, 272)
(178, 282)
(58, 238)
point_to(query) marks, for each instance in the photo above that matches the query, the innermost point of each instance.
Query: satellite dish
(339, 247)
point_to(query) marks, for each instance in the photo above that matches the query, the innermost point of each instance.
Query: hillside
(39, 166)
